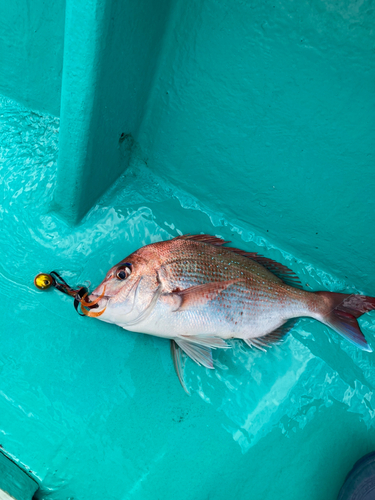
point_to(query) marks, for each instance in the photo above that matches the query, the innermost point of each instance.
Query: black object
(43, 281)
(78, 297)
(360, 482)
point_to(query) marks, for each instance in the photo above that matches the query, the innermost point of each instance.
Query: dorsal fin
(272, 338)
(284, 273)
(203, 238)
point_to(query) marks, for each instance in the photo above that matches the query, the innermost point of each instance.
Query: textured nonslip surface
(252, 121)
(14, 482)
(266, 110)
(93, 411)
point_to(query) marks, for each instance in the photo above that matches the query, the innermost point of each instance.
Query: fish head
(126, 289)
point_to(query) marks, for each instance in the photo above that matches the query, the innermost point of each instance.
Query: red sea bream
(200, 294)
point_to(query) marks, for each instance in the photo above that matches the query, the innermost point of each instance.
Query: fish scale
(255, 290)
(199, 294)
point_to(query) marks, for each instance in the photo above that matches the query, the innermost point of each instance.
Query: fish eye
(123, 271)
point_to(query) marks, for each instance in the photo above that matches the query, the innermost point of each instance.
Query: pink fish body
(199, 294)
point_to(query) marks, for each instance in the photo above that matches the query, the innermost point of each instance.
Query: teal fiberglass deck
(253, 122)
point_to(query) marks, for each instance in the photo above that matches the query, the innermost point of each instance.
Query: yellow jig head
(44, 281)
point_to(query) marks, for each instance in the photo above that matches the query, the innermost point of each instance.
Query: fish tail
(342, 311)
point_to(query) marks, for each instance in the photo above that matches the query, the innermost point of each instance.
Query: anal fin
(272, 338)
(256, 343)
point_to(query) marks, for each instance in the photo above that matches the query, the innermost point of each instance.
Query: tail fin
(343, 311)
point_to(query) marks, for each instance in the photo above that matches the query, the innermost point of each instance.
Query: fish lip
(96, 295)
(109, 297)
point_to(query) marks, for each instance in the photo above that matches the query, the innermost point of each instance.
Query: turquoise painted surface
(31, 52)
(14, 481)
(266, 110)
(93, 411)
(110, 55)
(252, 122)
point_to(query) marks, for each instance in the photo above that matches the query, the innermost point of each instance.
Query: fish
(199, 294)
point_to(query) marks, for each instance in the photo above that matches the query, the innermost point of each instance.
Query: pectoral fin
(199, 295)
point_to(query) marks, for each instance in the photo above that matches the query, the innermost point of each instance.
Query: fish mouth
(86, 307)
(95, 296)
(94, 301)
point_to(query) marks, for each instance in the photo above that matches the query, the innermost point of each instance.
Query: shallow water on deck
(75, 391)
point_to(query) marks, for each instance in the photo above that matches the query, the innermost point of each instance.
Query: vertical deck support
(111, 51)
